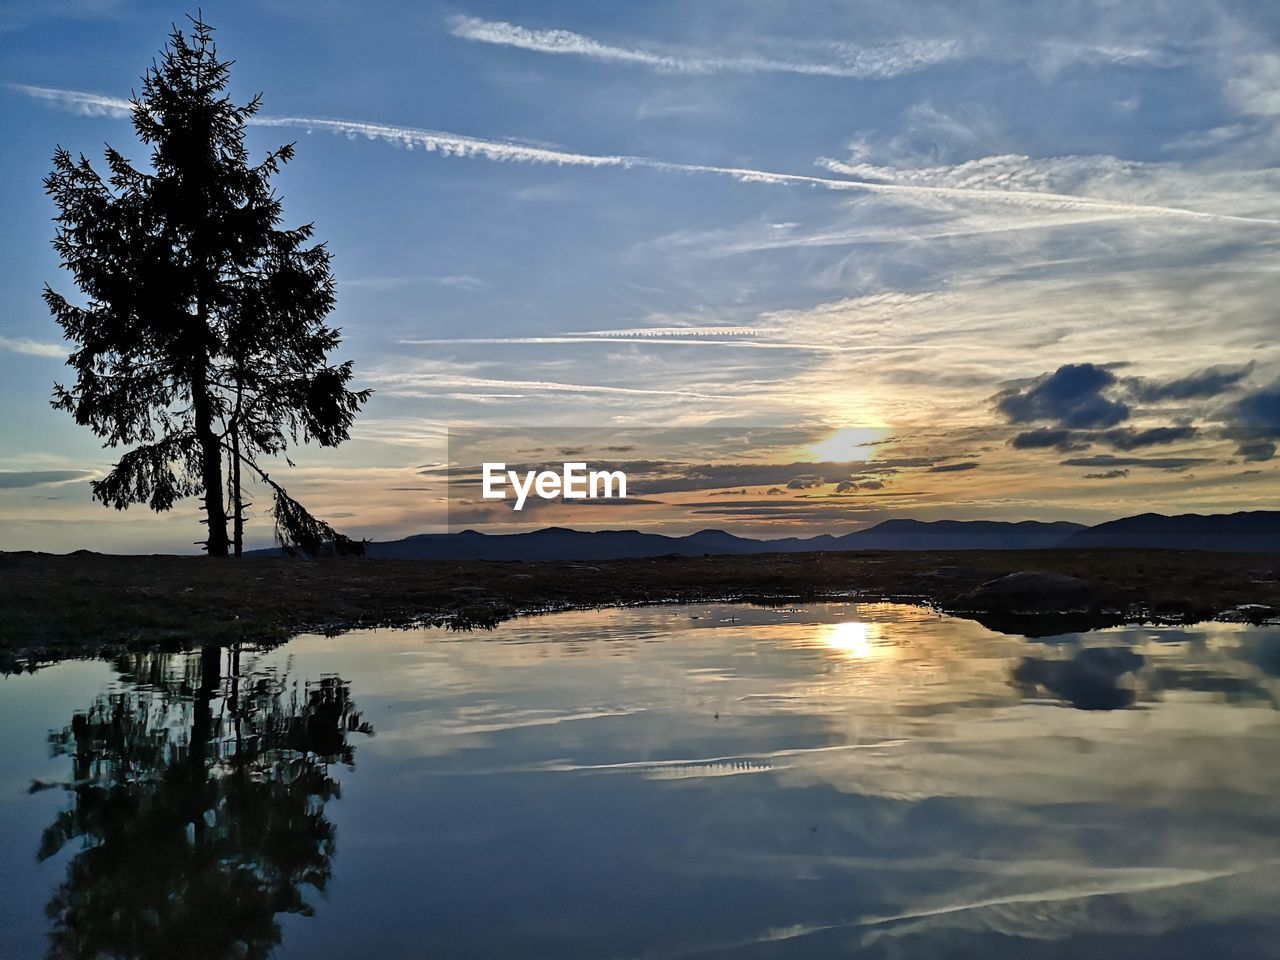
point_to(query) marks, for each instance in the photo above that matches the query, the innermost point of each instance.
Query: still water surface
(711, 781)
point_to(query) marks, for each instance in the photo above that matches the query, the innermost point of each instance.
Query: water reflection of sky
(725, 780)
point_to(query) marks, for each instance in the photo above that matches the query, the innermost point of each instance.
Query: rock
(1255, 613)
(1032, 591)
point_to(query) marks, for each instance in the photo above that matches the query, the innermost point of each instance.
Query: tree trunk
(210, 463)
(204, 740)
(237, 499)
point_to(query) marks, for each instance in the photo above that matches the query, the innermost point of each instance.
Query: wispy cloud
(413, 383)
(457, 281)
(833, 58)
(33, 347)
(17, 479)
(85, 104)
(814, 346)
(457, 145)
(859, 62)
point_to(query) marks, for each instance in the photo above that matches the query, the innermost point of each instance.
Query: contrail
(680, 341)
(458, 145)
(882, 61)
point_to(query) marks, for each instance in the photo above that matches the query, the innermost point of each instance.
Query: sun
(846, 445)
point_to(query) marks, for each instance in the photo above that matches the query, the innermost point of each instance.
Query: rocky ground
(85, 603)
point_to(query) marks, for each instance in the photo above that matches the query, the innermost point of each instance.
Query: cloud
(1043, 437)
(1127, 438)
(1258, 411)
(828, 59)
(1254, 420)
(459, 281)
(1118, 438)
(78, 101)
(1072, 397)
(1256, 451)
(1209, 382)
(700, 341)
(33, 347)
(18, 479)
(879, 61)
(1107, 475)
(955, 467)
(666, 476)
(1106, 460)
(458, 145)
(416, 384)
(1082, 184)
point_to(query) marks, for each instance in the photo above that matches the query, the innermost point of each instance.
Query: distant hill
(558, 543)
(1247, 532)
(959, 535)
(1256, 531)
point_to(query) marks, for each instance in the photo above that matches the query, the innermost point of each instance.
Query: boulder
(1255, 613)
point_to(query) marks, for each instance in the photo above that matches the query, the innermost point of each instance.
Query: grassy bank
(53, 606)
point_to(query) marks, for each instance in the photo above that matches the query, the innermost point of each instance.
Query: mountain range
(1256, 531)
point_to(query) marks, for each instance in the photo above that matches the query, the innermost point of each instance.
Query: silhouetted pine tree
(203, 337)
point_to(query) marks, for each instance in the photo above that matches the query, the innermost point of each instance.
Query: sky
(973, 260)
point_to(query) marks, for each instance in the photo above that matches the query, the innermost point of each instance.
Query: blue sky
(1001, 234)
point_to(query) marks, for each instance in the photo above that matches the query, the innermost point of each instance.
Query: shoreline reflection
(799, 781)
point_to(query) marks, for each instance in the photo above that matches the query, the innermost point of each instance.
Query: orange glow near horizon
(846, 445)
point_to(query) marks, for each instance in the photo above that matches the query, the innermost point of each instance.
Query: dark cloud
(889, 466)
(1256, 451)
(1107, 461)
(1127, 438)
(1209, 382)
(806, 482)
(955, 467)
(1254, 421)
(1044, 437)
(1107, 475)
(1117, 438)
(856, 484)
(16, 479)
(1072, 396)
(652, 477)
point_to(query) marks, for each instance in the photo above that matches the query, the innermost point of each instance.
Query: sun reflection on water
(856, 639)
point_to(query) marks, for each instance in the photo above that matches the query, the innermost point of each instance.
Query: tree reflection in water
(199, 807)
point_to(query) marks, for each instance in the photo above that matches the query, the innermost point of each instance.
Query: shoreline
(82, 605)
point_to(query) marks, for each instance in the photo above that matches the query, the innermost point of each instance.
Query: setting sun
(846, 445)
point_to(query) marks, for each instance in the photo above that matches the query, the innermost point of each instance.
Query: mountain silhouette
(1256, 532)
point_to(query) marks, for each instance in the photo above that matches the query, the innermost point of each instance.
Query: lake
(662, 782)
